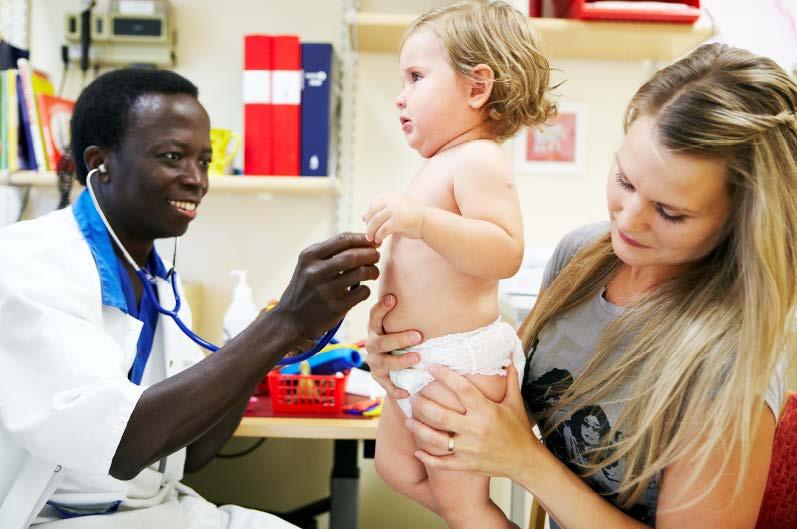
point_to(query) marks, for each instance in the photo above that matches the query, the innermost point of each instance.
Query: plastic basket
(307, 394)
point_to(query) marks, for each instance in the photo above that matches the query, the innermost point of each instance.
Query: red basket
(307, 394)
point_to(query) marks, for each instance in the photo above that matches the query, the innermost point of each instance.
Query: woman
(669, 325)
(92, 378)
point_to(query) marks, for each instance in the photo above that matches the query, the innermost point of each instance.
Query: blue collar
(99, 241)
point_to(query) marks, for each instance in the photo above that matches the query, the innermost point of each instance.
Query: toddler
(473, 75)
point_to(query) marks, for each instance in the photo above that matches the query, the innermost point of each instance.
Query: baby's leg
(463, 498)
(395, 459)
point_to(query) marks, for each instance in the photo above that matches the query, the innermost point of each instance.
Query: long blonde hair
(498, 35)
(693, 357)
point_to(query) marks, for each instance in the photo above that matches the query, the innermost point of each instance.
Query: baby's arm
(486, 240)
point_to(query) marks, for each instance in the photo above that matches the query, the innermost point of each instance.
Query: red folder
(257, 105)
(286, 93)
(272, 93)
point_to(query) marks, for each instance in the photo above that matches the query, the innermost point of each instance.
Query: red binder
(257, 105)
(687, 11)
(272, 94)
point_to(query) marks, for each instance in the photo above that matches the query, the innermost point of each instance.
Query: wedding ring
(450, 442)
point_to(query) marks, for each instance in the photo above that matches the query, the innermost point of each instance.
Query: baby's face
(433, 106)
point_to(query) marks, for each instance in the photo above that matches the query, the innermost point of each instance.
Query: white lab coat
(64, 394)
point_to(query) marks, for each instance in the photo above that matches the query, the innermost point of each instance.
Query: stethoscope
(147, 280)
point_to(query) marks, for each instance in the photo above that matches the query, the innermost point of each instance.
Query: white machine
(130, 32)
(517, 294)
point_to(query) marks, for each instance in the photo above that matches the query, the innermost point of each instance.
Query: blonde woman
(657, 348)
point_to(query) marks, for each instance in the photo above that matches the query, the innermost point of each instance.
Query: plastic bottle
(242, 310)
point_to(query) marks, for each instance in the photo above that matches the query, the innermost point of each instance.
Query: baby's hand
(389, 214)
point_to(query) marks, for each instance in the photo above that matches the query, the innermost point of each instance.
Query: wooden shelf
(562, 38)
(231, 184)
(310, 185)
(27, 178)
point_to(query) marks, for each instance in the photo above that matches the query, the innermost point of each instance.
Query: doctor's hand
(492, 438)
(326, 284)
(394, 214)
(379, 345)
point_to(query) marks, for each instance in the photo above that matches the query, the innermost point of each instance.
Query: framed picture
(558, 147)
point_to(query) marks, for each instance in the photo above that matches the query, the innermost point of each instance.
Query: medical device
(129, 32)
(147, 280)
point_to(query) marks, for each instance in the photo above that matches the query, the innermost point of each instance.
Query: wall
(263, 233)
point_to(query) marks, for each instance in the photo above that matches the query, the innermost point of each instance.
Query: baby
(473, 75)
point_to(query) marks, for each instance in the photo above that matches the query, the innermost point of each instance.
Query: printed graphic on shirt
(573, 439)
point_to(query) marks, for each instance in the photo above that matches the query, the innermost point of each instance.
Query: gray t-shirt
(564, 348)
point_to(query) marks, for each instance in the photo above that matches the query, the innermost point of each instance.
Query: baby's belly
(433, 296)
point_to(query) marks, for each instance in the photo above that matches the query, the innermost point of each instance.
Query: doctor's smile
(187, 208)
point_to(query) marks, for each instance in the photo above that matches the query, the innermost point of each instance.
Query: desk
(346, 430)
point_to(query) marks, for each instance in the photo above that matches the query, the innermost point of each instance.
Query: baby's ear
(481, 85)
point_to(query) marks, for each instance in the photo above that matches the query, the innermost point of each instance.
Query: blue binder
(316, 108)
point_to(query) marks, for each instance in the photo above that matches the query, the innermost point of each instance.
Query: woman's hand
(492, 438)
(379, 346)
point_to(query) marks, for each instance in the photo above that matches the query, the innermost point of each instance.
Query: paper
(361, 383)
(137, 7)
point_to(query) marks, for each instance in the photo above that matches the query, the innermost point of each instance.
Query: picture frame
(556, 148)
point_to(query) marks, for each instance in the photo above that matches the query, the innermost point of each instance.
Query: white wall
(263, 234)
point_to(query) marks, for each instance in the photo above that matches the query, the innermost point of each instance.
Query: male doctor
(103, 401)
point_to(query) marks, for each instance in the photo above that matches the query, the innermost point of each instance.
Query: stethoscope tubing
(147, 281)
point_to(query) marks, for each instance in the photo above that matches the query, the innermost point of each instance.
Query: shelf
(562, 38)
(233, 184)
(27, 178)
(309, 185)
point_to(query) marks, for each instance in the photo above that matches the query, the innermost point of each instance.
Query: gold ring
(450, 442)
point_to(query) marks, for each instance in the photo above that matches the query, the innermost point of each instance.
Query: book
(26, 155)
(286, 94)
(56, 113)
(3, 124)
(11, 103)
(317, 109)
(34, 83)
(257, 105)
(272, 96)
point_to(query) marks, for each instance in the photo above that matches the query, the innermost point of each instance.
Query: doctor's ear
(102, 173)
(95, 158)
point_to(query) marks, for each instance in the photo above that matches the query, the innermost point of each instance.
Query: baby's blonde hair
(498, 35)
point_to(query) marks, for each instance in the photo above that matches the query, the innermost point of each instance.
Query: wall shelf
(232, 184)
(562, 38)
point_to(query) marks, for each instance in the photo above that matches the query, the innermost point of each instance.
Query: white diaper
(484, 351)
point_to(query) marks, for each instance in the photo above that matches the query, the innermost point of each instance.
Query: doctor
(94, 383)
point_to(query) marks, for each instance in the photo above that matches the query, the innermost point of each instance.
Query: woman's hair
(694, 357)
(102, 112)
(498, 35)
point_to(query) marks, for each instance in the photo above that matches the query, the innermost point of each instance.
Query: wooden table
(345, 430)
